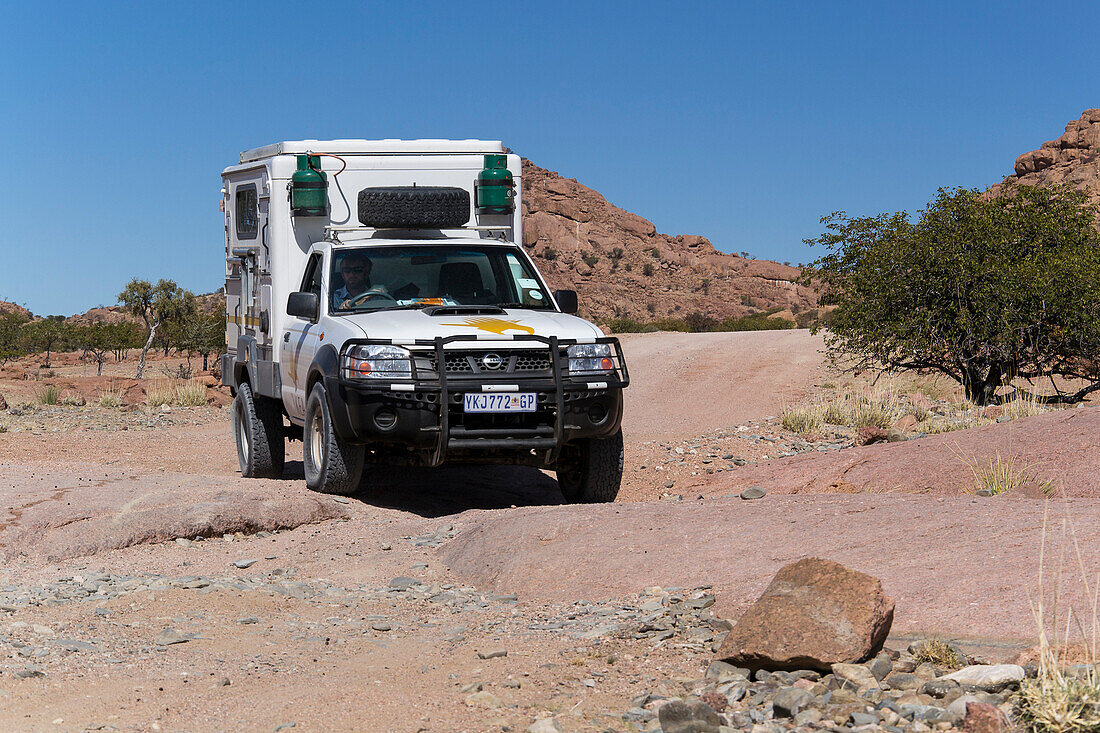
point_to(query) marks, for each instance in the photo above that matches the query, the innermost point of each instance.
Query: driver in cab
(355, 268)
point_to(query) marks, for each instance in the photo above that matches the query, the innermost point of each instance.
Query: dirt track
(956, 565)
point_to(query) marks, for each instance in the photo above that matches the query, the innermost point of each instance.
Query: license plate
(500, 402)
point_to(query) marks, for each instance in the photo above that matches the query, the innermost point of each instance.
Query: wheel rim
(316, 438)
(243, 444)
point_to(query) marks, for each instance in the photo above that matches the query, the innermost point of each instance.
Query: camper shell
(458, 351)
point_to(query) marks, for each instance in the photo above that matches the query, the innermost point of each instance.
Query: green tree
(154, 304)
(95, 340)
(44, 335)
(11, 336)
(984, 288)
(204, 334)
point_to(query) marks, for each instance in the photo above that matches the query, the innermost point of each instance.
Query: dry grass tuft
(805, 419)
(160, 392)
(940, 654)
(1026, 405)
(191, 393)
(1059, 700)
(111, 398)
(49, 395)
(998, 475)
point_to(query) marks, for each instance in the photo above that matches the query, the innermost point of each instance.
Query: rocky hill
(621, 265)
(1073, 159)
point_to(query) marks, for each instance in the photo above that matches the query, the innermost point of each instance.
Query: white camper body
(454, 347)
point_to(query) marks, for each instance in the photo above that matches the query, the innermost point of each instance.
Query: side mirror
(304, 305)
(566, 300)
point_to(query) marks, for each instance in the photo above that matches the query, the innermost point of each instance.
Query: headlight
(378, 362)
(590, 358)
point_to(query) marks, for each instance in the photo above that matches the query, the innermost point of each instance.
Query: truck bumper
(428, 416)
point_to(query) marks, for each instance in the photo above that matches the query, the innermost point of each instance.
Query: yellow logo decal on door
(494, 325)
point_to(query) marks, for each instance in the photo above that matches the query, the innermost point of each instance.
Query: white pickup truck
(380, 309)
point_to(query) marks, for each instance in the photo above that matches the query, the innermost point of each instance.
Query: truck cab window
(311, 283)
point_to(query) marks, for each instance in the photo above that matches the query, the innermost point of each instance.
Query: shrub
(616, 253)
(629, 325)
(747, 300)
(647, 269)
(550, 253)
(590, 259)
(755, 322)
(699, 322)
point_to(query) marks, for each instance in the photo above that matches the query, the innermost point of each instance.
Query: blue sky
(743, 122)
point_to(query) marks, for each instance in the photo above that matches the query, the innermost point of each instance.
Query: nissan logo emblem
(492, 361)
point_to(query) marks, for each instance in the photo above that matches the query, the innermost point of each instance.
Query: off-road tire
(414, 207)
(331, 465)
(591, 471)
(258, 430)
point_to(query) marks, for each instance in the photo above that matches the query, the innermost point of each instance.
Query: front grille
(529, 362)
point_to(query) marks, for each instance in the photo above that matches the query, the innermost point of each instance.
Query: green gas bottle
(496, 191)
(309, 188)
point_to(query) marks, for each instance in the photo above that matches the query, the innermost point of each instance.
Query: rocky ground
(147, 587)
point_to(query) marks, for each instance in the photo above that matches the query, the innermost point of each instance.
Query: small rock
(483, 699)
(472, 687)
(881, 666)
(790, 701)
(341, 499)
(754, 492)
(168, 637)
(857, 719)
(688, 717)
(42, 630)
(284, 726)
(492, 653)
(28, 672)
(402, 583)
(988, 677)
(183, 542)
(939, 687)
(386, 547)
(716, 700)
(544, 725)
(893, 435)
(381, 626)
(248, 620)
(242, 564)
(223, 682)
(981, 717)
(903, 681)
(854, 676)
(724, 672)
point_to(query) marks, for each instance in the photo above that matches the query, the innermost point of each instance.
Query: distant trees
(204, 334)
(46, 334)
(96, 340)
(155, 305)
(11, 336)
(982, 288)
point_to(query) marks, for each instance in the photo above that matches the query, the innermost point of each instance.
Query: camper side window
(247, 212)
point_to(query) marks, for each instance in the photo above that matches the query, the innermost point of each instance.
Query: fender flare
(326, 369)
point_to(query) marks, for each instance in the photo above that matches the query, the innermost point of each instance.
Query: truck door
(300, 343)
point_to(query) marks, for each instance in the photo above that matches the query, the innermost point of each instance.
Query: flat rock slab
(75, 511)
(1058, 446)
(961, 566)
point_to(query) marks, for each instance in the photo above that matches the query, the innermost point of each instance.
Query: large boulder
(814, 614)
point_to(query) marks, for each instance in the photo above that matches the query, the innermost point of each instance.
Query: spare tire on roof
(414, 207)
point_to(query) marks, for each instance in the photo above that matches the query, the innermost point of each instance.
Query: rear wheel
(591, 471)
(257, 427)
(332, 466)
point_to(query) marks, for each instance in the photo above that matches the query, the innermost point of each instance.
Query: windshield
(419, 275)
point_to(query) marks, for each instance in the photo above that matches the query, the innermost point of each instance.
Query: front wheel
(257, 427)
(591, 471)
(332, 466)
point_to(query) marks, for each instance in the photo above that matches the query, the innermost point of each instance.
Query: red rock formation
(622, 266)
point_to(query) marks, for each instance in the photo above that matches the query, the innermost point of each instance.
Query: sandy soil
(319, 588)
